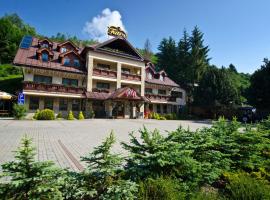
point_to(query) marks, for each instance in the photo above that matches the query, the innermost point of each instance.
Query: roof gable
(68, 42)
(119, 46)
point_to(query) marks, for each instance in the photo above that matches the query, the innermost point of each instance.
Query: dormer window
(149, 76)
(63, 49)
(66, 61)
(45, 45)
(76, 63)
(45, 57)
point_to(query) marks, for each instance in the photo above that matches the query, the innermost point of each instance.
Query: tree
(232, 68)
(167, 57)
(29, 179)
(199, 55)
(147, 50)
(217, 88)
(12, 29)
(260, 87)
(184, 60)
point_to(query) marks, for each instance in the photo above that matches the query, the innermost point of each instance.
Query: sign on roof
(116, 31)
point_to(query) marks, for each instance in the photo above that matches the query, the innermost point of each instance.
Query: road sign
(21, 98)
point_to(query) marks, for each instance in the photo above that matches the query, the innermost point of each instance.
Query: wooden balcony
(52, 88)
(104, 73)
(100, 90)
(130, 77)
(157, 97)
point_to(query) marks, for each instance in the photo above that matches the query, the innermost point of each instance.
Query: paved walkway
(64, 142)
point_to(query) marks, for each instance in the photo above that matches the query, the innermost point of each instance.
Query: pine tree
(167, 57)
(28, 179)
(183, 60)
(199, 55)
(147, 51)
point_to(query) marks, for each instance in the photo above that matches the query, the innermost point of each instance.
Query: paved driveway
(64, 142)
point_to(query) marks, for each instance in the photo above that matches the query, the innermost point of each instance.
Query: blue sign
(21, 98)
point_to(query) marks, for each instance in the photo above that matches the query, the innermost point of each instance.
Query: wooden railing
(158, 97)
(101, 90)
(131, 77)
(52, 88)
(104, 73)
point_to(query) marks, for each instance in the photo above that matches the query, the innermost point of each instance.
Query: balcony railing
(52, 88)
(131, 77)
(104, 73)
(158, 97)
(101, 90)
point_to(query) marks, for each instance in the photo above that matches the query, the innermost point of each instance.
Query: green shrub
(36, 114)
(59, 115)
(170, 116)
(46, 114)
(243, 187)
(19, 111)
(70, 116)
(81, 116)
(160, 188)
(162, 118)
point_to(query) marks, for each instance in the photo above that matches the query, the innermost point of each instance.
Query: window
(66, 61)
(63, 104)
(103, 85)
(70, 82)
(76, 104)
(165, 108)
(34, 103)
(43, 79)
(161, 77)
(177, 94)
(48, 103)
(45, 45)
(45, 57)
(103, 66)
(63, 49)
(76, 63)
(162, 92)
(158, 108)
(125, 70)
(148, 90)
(149, 75)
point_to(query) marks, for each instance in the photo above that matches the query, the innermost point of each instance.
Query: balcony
(104, 73)
(52, 88)
(101, 90)
(157, 97)
(130, 77)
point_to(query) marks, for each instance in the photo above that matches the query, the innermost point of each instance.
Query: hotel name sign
(116, 31)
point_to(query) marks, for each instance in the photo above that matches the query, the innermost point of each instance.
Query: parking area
(64, 142)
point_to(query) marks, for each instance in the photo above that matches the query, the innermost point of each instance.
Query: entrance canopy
(125, 93)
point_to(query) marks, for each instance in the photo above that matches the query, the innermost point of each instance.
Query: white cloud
(98, 26)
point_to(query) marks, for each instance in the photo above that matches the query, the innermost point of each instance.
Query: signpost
(21, 98)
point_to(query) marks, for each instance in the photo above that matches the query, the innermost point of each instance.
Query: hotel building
(110, 78)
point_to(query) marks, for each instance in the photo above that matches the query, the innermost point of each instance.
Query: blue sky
(237, 31)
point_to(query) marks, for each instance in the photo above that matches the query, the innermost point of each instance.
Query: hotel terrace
(110, 78)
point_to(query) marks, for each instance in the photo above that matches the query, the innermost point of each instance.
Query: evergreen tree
(199, 55)
(28, 179)
(167, 57)
(184, 61)
(147, 51)
(232, 68)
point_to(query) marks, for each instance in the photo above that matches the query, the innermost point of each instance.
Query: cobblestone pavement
(64, 142)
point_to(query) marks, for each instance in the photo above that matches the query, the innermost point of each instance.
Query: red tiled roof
(27, 57)
(97, 95)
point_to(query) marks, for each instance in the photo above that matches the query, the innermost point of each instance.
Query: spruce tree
(199, 55)
(167, 57)
(28, 179)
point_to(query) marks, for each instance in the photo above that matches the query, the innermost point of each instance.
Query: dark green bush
(19, 111)
(46, 114)
(160, 188)
(59, 115)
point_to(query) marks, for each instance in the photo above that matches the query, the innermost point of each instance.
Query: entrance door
(99, 109)
(119, 110)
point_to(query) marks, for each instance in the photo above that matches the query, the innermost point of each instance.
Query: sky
(236, 31)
